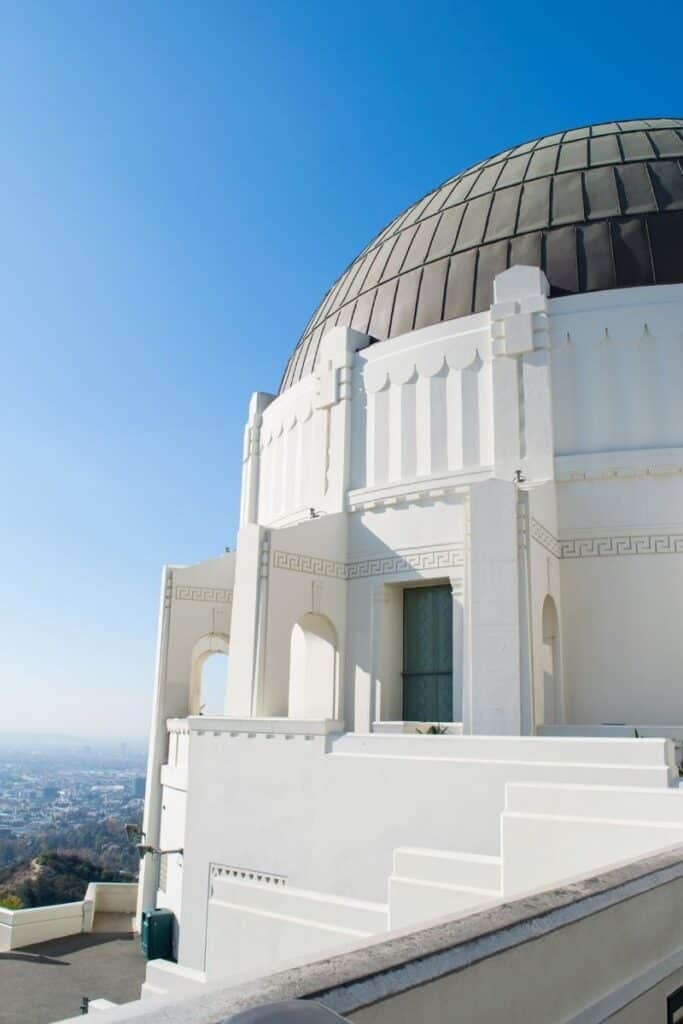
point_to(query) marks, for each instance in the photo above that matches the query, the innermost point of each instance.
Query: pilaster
(158, 741)
(251, 457)
(247, 622)
(334, 392)
(522, 396)
(492, 691)
(458, 593)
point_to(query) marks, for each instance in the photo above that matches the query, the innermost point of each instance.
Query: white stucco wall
(339, 816)
(622, 590)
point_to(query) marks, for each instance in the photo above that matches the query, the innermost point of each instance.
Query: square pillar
(522, 387)
(493, 672)
(251, 457)
(247, 616)
(334, 380)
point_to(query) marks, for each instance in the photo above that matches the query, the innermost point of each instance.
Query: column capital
(335, 364)
(519, 314)
(258, 402)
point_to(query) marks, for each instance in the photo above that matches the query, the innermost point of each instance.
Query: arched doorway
(313, 668)
(553, 711)
(209, 676)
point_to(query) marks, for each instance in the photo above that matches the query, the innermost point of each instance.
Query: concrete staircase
(550, 834)
(582, 830)
(426, 884)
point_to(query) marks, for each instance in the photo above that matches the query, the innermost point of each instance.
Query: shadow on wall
(552, 694)
(313, 668)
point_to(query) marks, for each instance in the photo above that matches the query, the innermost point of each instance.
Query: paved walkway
(44, 983)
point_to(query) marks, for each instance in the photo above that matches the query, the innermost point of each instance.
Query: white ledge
(413, 728)
(621, 464)
(256, 726)
(419, 488)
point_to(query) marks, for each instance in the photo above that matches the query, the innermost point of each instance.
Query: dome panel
(595, 207)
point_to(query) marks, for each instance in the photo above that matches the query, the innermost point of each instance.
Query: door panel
(428, 654)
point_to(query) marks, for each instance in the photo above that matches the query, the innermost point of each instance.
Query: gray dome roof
(595, 208)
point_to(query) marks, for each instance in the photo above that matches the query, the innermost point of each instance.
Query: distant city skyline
(181, 185)
(51, 740)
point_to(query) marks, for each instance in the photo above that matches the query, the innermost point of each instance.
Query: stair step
(635, 805)
(412, 901)
(474, 871)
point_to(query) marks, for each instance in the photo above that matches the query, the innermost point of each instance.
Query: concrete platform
(45, 983)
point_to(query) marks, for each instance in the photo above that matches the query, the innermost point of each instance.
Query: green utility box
(156, 934)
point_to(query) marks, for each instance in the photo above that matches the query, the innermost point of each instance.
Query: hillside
(51, 878)
(103, 842)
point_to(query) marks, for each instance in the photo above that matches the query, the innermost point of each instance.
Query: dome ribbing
(596, 208)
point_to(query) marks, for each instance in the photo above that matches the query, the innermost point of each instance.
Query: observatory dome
(596, 208)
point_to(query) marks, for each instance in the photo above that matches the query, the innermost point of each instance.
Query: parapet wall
(606, 948)
(19, 928)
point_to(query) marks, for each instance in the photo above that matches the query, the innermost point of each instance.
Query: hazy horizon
(8, 736)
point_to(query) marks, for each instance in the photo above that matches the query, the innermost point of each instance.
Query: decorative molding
(265, 556)
(445, 557)
(625, 544)
(214, 595)
(634, 472)
(427, 359)
(245, 875)
(415, 560)
(544, 537)
(309, 564)
(418, 490)
(619, 465)
(178, 725)
(522, 522)
(168, 589)
(606, 546)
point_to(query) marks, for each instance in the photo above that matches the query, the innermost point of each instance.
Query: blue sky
(179, 185)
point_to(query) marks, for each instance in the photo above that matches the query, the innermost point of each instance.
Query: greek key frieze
(309, 564)
(626, 544)
(214, 595)
(416, 561)
(606, 547)
(545, 538)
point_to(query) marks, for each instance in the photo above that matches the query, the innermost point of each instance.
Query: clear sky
(179, 185)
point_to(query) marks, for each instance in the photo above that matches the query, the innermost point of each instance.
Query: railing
(20, 928)
(174, 771)
(254, 726)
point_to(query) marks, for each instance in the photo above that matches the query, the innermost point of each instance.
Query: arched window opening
(209, 675)
(313, 668)
(214, 681)
(552, 692)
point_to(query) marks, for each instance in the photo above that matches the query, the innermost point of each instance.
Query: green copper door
(428, 654)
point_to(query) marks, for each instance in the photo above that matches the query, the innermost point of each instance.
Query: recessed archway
(214, 682)
(313, 668)
(209, 675)
(552, 689)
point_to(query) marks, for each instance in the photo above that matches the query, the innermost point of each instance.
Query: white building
(463, 508)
